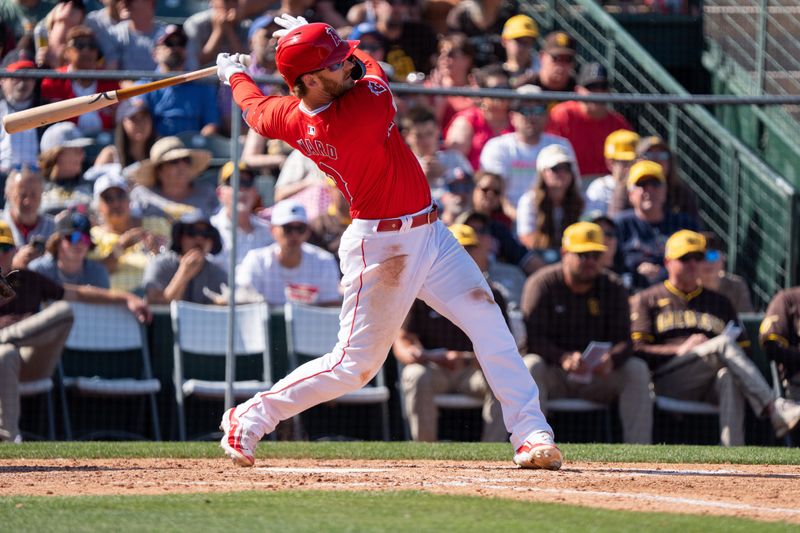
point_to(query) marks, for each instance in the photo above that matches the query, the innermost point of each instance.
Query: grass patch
(320, 512)
(613, 453)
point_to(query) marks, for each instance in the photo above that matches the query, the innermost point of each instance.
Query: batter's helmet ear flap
(358, 68)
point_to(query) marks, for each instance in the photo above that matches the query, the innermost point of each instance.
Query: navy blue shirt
(640, 242)
(184, 107)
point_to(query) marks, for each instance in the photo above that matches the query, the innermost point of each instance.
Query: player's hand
(289, 23)
(227, 66)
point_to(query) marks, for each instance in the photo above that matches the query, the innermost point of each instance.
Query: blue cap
(261, 22)
(365, 28)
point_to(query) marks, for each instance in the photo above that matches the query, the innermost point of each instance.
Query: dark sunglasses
(114, 195)
(657, 156)
(5, 248)
(187, 160)
(83, 45)
(597, 87)
(532, 111)
(460, 187)
(590, 256)
(175, 44)
(562, 167)
(487, 190)
(713, 255)
(198, 231)
(336, 66)
(694, 256)
(294, 228)
(563, 58)
(77, 237)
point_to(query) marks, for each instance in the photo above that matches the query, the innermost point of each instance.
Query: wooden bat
(58, 111)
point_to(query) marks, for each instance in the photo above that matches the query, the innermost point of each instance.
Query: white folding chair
(202, 330)
(311, 332)
(110, 330)
(40, 387)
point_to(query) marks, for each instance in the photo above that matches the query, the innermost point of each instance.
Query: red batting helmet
(308, 48)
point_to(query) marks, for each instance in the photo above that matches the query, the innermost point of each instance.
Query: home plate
(317, 470)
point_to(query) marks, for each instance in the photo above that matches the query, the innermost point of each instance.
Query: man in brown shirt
(779, 334)
(437, 358)
(681, 330)
(571, 304)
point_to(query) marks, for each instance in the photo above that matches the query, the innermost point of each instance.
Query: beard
(333, 88)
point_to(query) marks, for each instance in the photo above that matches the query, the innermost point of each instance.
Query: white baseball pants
(383, 273)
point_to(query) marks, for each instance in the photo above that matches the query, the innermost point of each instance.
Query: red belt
(394, 224)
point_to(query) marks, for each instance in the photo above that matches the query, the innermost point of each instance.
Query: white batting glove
(227, 66)
(289, 23)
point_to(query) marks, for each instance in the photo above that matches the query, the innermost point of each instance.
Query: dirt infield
(758, 492)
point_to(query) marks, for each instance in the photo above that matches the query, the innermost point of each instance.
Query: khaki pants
(793, 389)
(422, 382)
(717, 371)
(630, 383)
(29, 350)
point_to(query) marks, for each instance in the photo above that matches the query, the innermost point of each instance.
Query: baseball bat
(65, 109)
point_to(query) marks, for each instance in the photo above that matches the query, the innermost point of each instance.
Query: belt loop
(407, 221)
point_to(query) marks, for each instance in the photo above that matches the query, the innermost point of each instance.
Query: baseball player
(341, 115)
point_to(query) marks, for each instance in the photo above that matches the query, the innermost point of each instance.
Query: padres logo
(593, 304)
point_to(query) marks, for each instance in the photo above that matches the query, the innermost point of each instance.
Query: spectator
(518, 39)
(453, 64)
(101, 21)
(410, 43)
(557, 64)
(609, 228)
(251, 231)
(20, 16)
(67, 248)
(136, 37)
(554, 202)
(23, 192)
(55, 27)
(175, 109)
(166, 181)
(134, 136)
(22, 148)
(291, 269)
(643, 230)
(780, 337)
(81, 53)
(215, 30)
(714, 277)
(620, 153)
(456, 198)
(32, 336)
(587, 124)
(513, 155)
(472, 128)
(372, 42)
(501, 243)
(422, 134)
(124, 243)
(297, 173)
(489, 198)
(684, 332)
(568, 306)
(680, 199)
(185, 270)
(61, 160)
(438, 358)
(483, 21)
(327, 229)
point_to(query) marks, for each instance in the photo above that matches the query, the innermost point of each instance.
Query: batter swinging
(342, 117)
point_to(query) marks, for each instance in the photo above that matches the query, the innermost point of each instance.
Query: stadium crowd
(594, 246)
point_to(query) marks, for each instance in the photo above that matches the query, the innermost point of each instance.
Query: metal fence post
(761, 39)
(230, 355)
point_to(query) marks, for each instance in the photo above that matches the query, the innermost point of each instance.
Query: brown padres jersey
(662, 317)
(780, 330)
(560, 322)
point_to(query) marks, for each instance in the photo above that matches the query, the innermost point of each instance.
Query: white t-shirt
(316, 280)
(258, 238)
(19, 148)
(599, 193)
(516, 161)
(526, 215)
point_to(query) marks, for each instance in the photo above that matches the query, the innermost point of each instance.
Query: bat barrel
(57, 111)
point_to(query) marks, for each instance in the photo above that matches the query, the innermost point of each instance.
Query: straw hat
(170, 149)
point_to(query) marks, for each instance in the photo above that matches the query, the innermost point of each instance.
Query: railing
(744, 201)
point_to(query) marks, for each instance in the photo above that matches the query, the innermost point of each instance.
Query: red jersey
(54, 90)
(353, 139)
(587, 135)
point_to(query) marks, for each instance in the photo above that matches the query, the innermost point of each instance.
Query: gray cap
(63, 135)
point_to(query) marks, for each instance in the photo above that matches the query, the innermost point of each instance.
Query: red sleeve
(369, 105)
(557, 117)
(265, 114)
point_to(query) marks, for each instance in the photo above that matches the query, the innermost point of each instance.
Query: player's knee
(417, 377)
(636, 370)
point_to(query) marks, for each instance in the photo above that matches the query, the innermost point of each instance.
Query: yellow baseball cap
(520, 26)
(621, 145)
(645, 169)
(583, 237)
(226, 171)
(6, 237)
(464, 234)
(684, 242)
